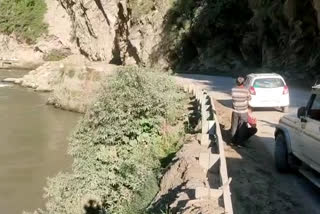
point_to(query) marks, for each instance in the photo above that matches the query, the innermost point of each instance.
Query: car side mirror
(302, 111)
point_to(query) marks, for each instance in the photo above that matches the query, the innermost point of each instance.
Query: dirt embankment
(184, 175)
(178, 185)
(256, 186)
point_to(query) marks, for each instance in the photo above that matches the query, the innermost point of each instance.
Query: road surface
(257, 187)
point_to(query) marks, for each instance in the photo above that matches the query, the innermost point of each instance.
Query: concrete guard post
(208, 159)
(204, 119)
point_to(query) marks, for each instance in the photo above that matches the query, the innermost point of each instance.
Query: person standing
(240, 104)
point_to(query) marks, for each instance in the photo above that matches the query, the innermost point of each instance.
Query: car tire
(281, 154)
(285, 109)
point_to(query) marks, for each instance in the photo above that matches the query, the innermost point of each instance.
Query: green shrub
(56, 55)
(119, 144)
(24, 18)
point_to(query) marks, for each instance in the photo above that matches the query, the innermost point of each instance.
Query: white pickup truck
(297, 140)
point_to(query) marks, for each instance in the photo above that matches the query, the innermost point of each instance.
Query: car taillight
(285, 90)
(252, 91)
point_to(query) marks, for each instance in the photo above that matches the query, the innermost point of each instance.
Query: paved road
(263, 144)
(220, 87)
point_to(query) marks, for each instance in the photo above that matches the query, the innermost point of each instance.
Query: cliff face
(58, 37)
(231, 35)
(117, 31)
(203, 35)
(287, 35)
(186, 35)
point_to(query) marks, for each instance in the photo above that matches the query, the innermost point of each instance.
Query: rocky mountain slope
(57, 37)
(202, 35)
(211, 36)
(191, 35)
(230, 35)
(119, 31)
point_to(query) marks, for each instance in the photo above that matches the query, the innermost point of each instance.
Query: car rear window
(268, 83)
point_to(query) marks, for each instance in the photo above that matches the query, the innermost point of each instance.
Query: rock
(44, 77)
(58, 38)
(117, 31)
(26, 57)
(18, 81)
(51, 44)
(316, 5)
(178, 184)
(43, 89)
(59, 26)
(74, 82)
(80, 85)
(11, 80)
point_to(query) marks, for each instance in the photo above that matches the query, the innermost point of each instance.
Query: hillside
(206, 36)
(135, 117)
(194, 35)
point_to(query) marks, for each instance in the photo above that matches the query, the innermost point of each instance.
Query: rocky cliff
(210, 36)
(230, 35)
(57, 38)
(196, 36)
(117, 31)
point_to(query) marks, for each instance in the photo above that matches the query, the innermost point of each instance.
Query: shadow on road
(226, 103)
(267, 123)
(211, 83)
(257, 187)
(267, 109)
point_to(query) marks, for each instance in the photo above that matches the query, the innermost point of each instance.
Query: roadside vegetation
(191, 25)
(56, 55)
(121, 146)
(24, 18)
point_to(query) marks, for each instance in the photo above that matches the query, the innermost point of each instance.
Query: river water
(33, 145)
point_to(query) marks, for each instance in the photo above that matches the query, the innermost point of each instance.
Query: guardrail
(211, 138)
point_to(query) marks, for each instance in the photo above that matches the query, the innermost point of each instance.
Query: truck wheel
(281, 154)
(285, 109)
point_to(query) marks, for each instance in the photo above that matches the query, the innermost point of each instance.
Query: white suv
(268, 90)
(298, 140)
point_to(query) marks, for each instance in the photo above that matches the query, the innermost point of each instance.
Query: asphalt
(295, 186)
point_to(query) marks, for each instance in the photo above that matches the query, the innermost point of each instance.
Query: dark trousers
(244, 133)
(239, 129)
(237, 118)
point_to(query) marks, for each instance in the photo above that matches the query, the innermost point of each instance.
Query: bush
(119, 144)
(57, 55)
(24, 18)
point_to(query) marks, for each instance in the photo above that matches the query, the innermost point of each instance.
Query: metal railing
(214, 158)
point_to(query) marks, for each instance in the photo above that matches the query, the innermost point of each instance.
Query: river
(33, 142)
